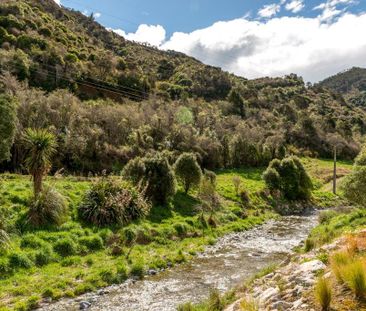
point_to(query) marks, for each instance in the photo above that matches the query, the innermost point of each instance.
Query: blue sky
(184, 16)
(252, 38)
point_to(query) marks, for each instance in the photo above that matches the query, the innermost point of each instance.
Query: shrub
(188, 171)
(289, 177)
(7, 125)
(354, 185)
(111, 203)
(210, 176)
(19, 260)
(155, 174)
(134, 170)
(93, 243)
(48, 208)
(272, 178)
(323, 293)
(65, 247)
(361, 158)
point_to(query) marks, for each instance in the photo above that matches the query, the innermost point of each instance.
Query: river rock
(313, 266)
(84, 305)
(268, 294)
(151, 272)
(281, 305)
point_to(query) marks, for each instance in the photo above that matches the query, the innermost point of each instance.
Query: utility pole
(335, 171)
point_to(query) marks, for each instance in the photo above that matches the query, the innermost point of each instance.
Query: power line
(95, 86)
(107, 84)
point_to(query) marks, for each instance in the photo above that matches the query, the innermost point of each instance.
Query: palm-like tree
(41, 145)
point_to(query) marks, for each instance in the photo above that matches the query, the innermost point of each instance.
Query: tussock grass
(323, 293)
(355, 278)
(249, 305)
(337, 261)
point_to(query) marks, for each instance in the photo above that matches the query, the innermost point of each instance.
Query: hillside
(81, 81)
(62, 47)
(351, 83)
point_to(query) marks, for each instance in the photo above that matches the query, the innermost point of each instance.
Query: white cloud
(279, 46)
(97, 15)
(269, 10)
(330, 9)
(295, 6)
(154, 35)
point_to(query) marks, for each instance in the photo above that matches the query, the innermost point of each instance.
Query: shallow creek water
(233, 259)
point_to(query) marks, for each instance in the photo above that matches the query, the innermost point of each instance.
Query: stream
(232, 260)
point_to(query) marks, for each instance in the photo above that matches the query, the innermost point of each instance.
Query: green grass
(337, 225)
(72, 258)
(169, 235)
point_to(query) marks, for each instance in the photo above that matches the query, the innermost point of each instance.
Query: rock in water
(84, 305)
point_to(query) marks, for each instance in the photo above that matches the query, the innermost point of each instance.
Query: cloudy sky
(251, 38)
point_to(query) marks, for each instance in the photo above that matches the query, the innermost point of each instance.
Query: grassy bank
(75, 258)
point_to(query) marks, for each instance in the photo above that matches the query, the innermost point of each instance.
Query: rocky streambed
(225, 265)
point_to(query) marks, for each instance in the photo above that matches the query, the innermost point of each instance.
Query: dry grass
(323, 293)
(249, 304)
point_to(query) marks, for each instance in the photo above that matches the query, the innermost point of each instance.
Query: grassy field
(75, 258)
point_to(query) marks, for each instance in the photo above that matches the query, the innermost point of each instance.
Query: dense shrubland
(102, 134)
(152, 100)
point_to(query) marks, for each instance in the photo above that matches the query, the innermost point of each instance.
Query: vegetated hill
(109, 100)
(61, 46)
(351, 83)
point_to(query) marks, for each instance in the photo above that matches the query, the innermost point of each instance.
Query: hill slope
(81, 81)
(351, 83)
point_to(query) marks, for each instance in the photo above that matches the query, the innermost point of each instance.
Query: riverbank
(169, 235)
(291, 285)
(233, 258)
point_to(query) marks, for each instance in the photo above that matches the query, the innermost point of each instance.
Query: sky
(251, 38)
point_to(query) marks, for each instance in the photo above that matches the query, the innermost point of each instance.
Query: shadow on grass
(185, 205)
(248, 173)
(182, 204)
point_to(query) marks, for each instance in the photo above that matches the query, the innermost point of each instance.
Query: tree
(154, 174)
(237, 101)
(354, 184)
(41, 145)
(8, 122)
(289, 177)
(188, 171)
